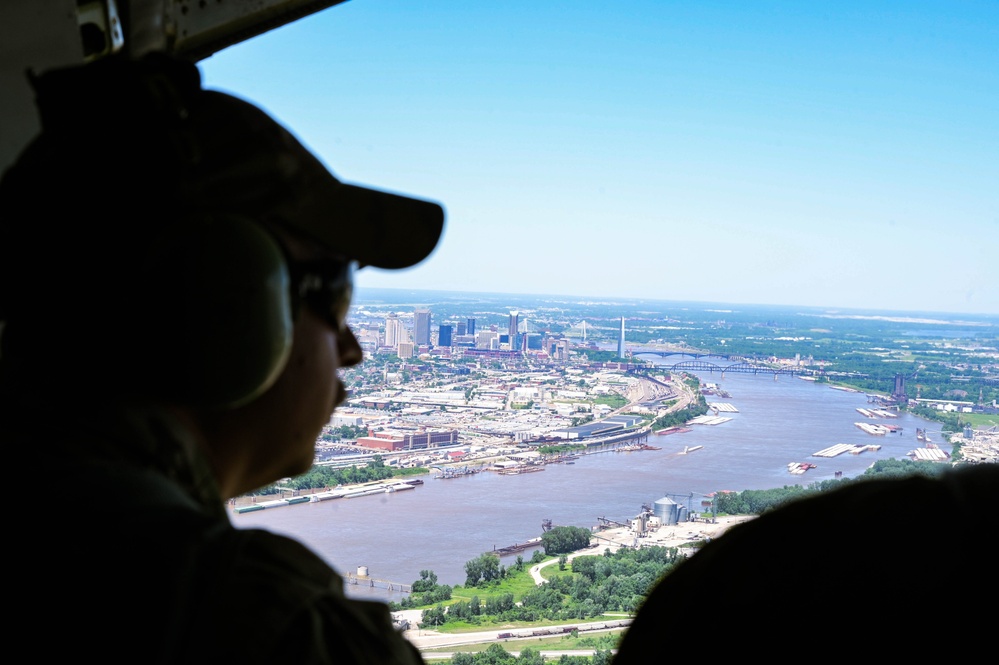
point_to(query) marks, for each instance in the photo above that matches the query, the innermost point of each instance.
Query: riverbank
(316, 494)
(675, 535)
(509, 463)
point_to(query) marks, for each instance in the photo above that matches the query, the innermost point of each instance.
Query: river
(444, 523)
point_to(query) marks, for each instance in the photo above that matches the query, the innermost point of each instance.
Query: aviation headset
(235, 294)
(227, 308)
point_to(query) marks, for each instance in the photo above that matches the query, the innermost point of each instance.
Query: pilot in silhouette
(175, 274)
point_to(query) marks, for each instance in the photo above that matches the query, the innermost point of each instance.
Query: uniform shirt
(129, 556)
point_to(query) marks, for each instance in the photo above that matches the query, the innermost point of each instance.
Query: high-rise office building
(487, 339)
(513, 330)
(470, 327)
(444, 335)
(421, 327)
(620, 341)
(392, 327)
(461, 328)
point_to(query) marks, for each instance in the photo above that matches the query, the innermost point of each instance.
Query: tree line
(596, 584)
(328, 476)
(688, 413)
(756, 502)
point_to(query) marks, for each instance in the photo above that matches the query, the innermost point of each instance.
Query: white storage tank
(667, 510)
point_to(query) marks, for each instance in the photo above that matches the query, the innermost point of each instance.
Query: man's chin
(298, 467)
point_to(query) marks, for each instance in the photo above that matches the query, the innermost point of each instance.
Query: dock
(448, 472)
(358, 579)
(637, 446)
(367, 489)
(517, 470)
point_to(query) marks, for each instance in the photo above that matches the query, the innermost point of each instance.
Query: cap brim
(374, 227)
(268, 172)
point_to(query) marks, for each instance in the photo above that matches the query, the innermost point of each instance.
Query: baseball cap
(147, 128)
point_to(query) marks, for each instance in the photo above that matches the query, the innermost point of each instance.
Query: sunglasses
(326, 287)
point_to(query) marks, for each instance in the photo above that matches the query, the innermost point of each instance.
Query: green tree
(433, 617)
(602, 657)
(565, 539)
(427, 581)
(482, 570)
(530, 656)
(495, 655)
(585, 566)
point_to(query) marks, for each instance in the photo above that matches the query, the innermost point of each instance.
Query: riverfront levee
(441, 525)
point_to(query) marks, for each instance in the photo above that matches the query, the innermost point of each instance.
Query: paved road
(547, 655)
(431, 639)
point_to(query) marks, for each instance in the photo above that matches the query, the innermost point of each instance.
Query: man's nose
(349, 348)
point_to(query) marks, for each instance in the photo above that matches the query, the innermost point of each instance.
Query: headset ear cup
(225, 329)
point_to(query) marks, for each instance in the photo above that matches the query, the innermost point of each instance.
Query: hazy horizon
(365, 295)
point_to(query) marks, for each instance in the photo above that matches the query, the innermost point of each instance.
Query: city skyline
(767, 154)
(562, 323)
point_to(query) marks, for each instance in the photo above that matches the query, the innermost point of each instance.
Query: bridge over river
(698, 363)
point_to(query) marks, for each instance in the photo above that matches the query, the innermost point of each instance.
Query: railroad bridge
(688, 354)
(740, 366)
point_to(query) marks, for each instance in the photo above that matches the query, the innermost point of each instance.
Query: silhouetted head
(144, 238)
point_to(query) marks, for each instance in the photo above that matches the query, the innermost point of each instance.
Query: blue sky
(829, 154)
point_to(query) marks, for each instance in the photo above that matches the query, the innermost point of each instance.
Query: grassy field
(980, 419)
(516, 582)
(614, 401)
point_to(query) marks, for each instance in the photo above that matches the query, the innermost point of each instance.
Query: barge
(674, 430)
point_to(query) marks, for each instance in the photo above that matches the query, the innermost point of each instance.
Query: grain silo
(667, 510)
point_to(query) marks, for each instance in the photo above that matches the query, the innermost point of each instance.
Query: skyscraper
(421, 327)
(513, 330)
(444, 335)
(470, 327)
(392, 327)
